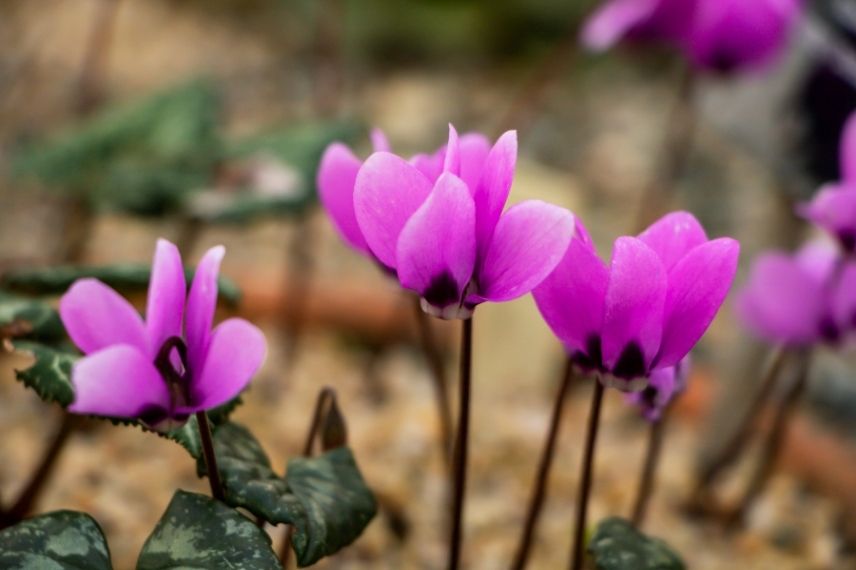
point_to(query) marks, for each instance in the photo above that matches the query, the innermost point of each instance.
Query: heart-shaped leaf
(61, 540)
(50, 374)
(28, 318)
(617, 545)
(197, 532)
(124, 277)
(324, 497)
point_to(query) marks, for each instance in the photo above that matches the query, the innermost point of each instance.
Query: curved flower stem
(208, 454)
(649, 469)
(773, 444)
(546, 462)
(677, 147)
(584, 488)
(735, 445)
(461, 443)
(28, 497)
(321, 404)
(438, 372)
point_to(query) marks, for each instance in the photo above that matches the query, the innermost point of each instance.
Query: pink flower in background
(648, 308)
(834, 206)
(801, 299)
(169, 366)
(664, 385)
(718, 35)
(443, 230)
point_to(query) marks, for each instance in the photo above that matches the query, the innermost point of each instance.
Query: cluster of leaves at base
(150, 157)
(617, 545)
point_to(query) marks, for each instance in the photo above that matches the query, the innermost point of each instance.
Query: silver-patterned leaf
(617, 545)
(62, 540)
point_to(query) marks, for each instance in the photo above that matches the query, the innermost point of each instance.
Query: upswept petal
(818, 259)
(201, 304)
(387, 193)
(167, 291)
(494, 187)
(236, 352)
(118, 381)
(673, 236)
(834, 209)
(430, 165)
(452, 160)
(633, 318)
(781, 302)
(95, 316)
(698, 285)
(337, 175)
(612, 22)
(530, 240)
(437, 247)
(474, 150)
(572, 298)
(379, 141)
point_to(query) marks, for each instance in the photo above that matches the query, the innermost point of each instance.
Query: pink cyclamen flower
(169, 366)
(648, 308)
(802, 299)
(664, 385)
(718, 35)
(834, 206)
(442, 229)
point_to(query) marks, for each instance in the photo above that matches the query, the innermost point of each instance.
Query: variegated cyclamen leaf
(324, 497)
(126, 278)
(61, 540)
(197, 532)
(50, 374)
(29, 319)
(617, 545)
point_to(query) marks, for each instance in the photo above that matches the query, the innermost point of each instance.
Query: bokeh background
(126, 120)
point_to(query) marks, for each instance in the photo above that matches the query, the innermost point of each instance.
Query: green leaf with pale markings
(29, 319)
(324, 497)
(197, 532)
(617, 545)
(61, 540)
(126, 277)
(50, 374)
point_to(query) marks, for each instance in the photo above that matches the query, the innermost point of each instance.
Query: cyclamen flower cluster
(717, 35)
(437, 222)
(169, 367)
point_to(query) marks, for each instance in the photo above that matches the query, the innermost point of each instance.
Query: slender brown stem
(649, 469)
(324, 397)
(677, 147)
(461, 443)
(584, 489)
(544, 466)
(773, 444)
(210, 457)
(440, 381)
(23, 505)
(741, 436)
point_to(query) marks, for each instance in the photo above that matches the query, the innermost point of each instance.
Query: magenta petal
(834, 209)
(612, 22)
(452, 160)
(201, 304)
(388, 192)
(167, 291)
(781, 302)
(337, 175)
(571, 299)
(474, 150)
(492, 191)
(379, 141)
(235, 353)
(437, 247)
(635, 297)
(698, 286)
(844, 298)
(431, 166)
(530, 240)
(95, 317)
(119, 381)
(673, 236)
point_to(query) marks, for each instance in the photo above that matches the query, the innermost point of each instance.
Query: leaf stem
(459, 464)
(584, 489)
(649, 470)
(544, 466)
(210, 457)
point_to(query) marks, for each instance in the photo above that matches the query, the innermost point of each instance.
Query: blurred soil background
(590, 133)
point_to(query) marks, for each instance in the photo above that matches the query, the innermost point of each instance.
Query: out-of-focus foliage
(617, 545)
